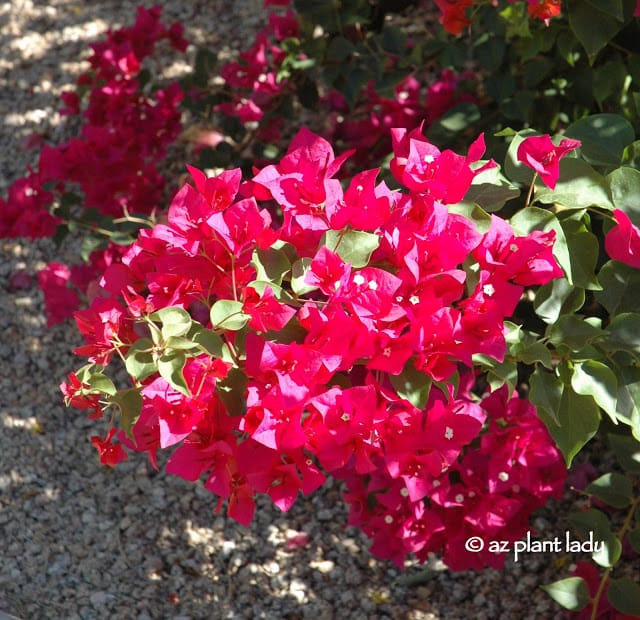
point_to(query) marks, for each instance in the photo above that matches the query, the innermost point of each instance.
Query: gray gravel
(81, 541)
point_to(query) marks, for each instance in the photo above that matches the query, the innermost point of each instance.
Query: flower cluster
(113, 162)
(261, 78)
(288, 327)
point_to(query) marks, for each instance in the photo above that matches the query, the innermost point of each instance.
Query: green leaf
(130, 404)
(299, 270)
(170, 367)
(412, 385)
(175, 321)
(490, 190)
(579, 187)
(593, 525)
(620, 285)
(574, 331)
(472, 212)
(571, 593)
(139, 361)
(610, 552)
(525, 346)
(490, 51)
(578, 421)
(545, 392)
(610, 7)
(271, 265)
(181, 344)
(352, 81)
(231, 392)
(624, 595)
(603, 136)
(517, 21)
(595, 379)
(624, 333)
(227, 314)
(591, 520)
(631, 156)
(353, 246)
(99, 382)
(608, 81)
(629, 398)
(498, 373)
(456, 120)
(557, 298)
(634, 539)
(624, 185)
(613, 489)
(627, 452)
(393, 40)
(582, 18)
(209, 341)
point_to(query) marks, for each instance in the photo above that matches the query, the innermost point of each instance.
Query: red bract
(622, 243)
(78, 395)
(544, 9)
(110, 453)
(454, 14)
(272, 356)
(543, 156)
(421, 167)
(113, 162)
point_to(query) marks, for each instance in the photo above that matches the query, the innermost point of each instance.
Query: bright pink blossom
(622, 243)
(543, 156)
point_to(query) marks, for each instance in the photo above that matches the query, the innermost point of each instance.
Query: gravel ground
(80, 541)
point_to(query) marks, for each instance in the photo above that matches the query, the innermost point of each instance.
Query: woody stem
(530, 193)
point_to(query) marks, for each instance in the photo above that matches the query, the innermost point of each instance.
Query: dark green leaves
(578, 419)
(603, 136)
(584, 14)
(613, 489)
(624, 595)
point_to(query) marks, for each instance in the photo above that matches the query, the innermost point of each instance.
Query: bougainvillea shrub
(286, 328)
(441, 334)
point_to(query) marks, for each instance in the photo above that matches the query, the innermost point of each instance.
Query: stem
(233, 277)
(626, 526)
(131, 218)
(340, 237)
(530, 193)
